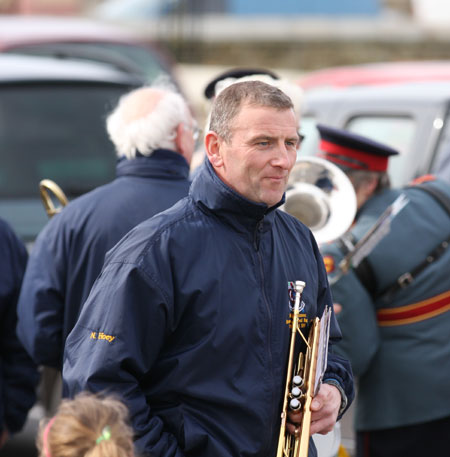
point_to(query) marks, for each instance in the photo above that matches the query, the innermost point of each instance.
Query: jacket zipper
(256, 241)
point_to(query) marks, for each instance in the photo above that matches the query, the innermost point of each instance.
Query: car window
(395, 131)
(310, 143)
(441, 163)
(134, 58)
(55, 131)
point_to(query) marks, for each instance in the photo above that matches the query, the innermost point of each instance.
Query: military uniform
(396, 336)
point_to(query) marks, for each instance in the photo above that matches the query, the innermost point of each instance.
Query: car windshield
(55, 131)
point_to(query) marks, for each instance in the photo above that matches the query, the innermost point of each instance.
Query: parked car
(52, 115)
(411, 117)
(84, 38)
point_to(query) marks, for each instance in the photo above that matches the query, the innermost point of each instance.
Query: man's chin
(273, 200)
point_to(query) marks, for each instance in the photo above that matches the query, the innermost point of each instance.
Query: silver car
(411, 117)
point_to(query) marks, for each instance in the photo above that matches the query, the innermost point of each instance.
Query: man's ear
(179, 143)
(212, 145)
(372, 185)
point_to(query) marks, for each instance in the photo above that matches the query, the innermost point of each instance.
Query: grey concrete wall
(306, 54)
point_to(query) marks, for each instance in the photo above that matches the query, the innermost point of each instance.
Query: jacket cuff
(344, 400)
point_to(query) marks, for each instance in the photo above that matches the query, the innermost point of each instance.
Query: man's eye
(263, 143)
(291, 144)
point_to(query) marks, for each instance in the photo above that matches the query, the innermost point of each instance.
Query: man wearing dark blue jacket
(187, 321)
(153, 132)
(18, 373)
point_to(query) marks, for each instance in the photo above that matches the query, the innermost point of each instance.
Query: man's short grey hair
(228, 103)
(156, 130)
(292, 90)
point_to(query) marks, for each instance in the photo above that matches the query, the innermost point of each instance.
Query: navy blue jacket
(18, 374)
(69, 253)
(187, 321)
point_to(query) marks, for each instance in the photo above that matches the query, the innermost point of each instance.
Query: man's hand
(337, 308)
(324, 411)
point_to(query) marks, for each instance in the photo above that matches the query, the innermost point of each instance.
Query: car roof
(423, 91)
(377, 73)
(21, 30)
(15, 68)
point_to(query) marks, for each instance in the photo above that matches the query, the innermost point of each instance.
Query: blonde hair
(87, 426)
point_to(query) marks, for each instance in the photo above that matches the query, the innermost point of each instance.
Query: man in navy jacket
(187, 321)
(18, 373)
(153, 132)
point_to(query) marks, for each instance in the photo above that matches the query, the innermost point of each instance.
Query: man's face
(260, 155)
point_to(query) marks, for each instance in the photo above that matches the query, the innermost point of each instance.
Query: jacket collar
(212, 194)
(163, 163)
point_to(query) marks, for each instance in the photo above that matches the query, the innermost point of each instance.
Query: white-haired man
(154, 135)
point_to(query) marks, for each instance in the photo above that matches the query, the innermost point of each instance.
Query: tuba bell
(320, 195)
(50, 193)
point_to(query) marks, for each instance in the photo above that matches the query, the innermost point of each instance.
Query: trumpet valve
(296, 392)
(297, 381)
(295, 404)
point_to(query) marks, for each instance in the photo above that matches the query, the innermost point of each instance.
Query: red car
(377, 74)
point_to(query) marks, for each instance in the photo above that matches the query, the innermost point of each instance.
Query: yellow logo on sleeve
(102, 336)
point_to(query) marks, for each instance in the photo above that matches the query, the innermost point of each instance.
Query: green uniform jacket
(399, 348)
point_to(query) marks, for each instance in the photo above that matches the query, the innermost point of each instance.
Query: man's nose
(285, 157)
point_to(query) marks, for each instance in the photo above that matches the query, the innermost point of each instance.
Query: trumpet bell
(320, 195)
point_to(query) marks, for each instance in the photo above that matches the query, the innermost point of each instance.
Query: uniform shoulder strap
(406, 278)
(365, 272)
(439, 196)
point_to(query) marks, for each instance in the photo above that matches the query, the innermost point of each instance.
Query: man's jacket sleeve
(117, 339)
(18, 374)
(41, 303)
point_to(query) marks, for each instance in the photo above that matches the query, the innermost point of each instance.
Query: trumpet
(302, 379)
(47, 188)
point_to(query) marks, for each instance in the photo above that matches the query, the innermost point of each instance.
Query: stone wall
(307, 54)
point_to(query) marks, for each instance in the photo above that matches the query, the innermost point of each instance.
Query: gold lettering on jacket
(102, 336)
(302, 320)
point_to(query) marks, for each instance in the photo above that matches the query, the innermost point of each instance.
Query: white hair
(293, 91)
(150, 132)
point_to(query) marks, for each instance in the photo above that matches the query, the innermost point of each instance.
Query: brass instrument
(48, 188)
(302, 379)
(321, 196)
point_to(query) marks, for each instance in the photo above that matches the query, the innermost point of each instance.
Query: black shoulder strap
(364, 270)
(408, 277)
(439, 196)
